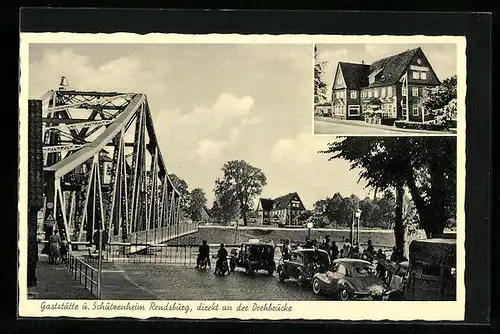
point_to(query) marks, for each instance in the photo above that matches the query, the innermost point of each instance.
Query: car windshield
(362, 270)
(319, 257)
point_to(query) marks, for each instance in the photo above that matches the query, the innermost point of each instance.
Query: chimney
(363, 62)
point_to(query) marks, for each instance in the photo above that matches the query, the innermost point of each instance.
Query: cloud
(301, 149)
(209, 149)
(127, 74)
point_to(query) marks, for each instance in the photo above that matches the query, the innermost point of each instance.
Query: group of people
(58, 249)
(204, 255)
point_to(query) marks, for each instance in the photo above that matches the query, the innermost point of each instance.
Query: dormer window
(423, 75)
(353, 94)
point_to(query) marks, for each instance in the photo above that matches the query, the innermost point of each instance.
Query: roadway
(324, 125)
(147, 281)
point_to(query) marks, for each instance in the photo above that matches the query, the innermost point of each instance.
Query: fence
(84, 273)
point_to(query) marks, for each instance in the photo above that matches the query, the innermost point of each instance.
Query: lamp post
(309, 227)
(358, 215)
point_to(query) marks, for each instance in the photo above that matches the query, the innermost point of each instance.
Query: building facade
(281, 211)
(390, 88)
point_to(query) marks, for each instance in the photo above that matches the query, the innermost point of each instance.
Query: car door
(290, 265)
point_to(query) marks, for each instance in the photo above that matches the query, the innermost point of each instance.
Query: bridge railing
(84, 273)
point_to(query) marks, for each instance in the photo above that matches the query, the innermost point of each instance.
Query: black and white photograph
(185, 180)
(385, 89)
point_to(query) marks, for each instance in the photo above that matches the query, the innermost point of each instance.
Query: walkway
(55, 282)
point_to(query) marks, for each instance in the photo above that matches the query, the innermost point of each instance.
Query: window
(405, 111)
(415, 110)
(363, 94)
(354, 94)
(375, 93)
(403, 90)
(389, 91)
(414, 91)
(423, 75)
(371, 79)
(353, 110)
(383, 92)
(415, 75)
(369, 93)
(391, 111)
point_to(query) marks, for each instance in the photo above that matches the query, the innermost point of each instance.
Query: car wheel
(281, 278)
(316, 286)
(344, 294)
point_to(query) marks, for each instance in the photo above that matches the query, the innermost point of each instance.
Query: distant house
(390, 87)
(283, 210)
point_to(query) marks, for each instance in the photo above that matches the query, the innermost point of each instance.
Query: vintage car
(255, 255)
(302, 264)
(350, 279)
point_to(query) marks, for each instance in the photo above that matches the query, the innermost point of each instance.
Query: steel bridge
(103, 169)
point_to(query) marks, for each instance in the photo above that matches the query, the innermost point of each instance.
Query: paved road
(325, 127)
(142, 281)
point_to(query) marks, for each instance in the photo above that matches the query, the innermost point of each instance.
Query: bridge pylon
(103, 167)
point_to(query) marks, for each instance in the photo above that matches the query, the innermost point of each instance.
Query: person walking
(334, 251)
(54, 247)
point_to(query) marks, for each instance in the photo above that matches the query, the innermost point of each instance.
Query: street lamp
(358, 215)
(309, 226)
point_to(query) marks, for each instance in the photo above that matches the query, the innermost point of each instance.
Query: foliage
(320, 87)
(225, 208)
(197, 200)
(413, 162)
(182, 187)
(241, 182)
(441, 96)
(437, 124)
(376, 213)
(304, 215)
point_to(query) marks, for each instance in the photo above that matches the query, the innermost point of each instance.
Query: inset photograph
(384, 89)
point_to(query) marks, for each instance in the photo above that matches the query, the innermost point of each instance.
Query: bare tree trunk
(399, 236)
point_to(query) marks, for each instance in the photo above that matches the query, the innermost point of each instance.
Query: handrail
(84, 273)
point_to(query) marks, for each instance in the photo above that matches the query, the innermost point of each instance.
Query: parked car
(350, 279)
(302, 264)
(256, 255)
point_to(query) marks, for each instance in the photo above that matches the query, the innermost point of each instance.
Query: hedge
(420, 126)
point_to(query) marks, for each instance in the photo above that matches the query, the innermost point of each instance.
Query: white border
(353, 310)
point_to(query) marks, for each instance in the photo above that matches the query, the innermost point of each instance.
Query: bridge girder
(85, 188)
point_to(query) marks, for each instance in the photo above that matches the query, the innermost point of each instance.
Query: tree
(225, 208)
(197, 201)
(442, 100)
(304, 215)
(241, 181)
(182, 187)
(414, 162)
(320, 87)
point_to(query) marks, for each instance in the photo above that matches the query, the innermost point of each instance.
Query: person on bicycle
(221, 256)
(203, 254)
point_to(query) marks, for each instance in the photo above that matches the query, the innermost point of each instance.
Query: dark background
(477, 29)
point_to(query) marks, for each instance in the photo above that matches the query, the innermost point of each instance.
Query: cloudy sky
(211, 104)
(443, 57)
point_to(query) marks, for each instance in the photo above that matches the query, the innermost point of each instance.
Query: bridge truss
(103, 168)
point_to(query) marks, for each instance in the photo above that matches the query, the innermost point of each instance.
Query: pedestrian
(54, 247)
(347, 247)
(64, 249)
(381, 272)
(370, 248)
(334, 251)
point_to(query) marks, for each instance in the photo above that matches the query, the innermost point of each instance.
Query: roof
(283, 201)
(351, 262)
(386, 71)
(392, 68)
(355, 75)
(266, 204)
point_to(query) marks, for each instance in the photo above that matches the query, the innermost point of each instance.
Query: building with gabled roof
(390, 88)
(283, 210)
